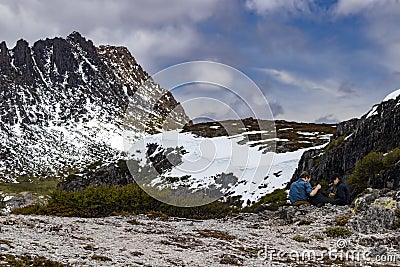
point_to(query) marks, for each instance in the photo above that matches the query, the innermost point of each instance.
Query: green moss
(271, 201)
(337, 231)
(324, 185)
(26, 260)
(216, 234)
(342, 220)
(334, 143)
(386, 202)
(300, 238)
(100, 258)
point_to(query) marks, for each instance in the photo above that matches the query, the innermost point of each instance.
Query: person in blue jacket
(301, 190)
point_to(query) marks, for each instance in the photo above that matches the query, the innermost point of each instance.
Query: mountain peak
(63, 104)
(22, 42)
(3, 47)
(75, 35)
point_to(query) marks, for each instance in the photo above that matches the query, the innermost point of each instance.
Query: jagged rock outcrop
(111, 175)
(377, 130)
(65, 103)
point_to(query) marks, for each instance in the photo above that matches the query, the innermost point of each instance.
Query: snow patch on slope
(257, 173)
(392, 95)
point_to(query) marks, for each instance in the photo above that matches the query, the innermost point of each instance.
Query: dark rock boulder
(111, 175)
(376, 210)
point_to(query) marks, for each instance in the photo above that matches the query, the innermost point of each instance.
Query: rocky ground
(292, 236)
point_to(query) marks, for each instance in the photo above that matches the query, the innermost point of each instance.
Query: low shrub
(300, 238)
(342, 220)
(129, 199)
(101, 258)
(337, 231)
(216, 234)
(27, 260)
(367, 172)
(271, 201)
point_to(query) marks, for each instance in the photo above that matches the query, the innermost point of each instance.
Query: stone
(4, 247)
(231, 260)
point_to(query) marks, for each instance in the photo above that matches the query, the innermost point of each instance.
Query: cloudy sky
(314, 60)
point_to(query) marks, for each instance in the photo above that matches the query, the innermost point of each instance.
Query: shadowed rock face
(375, 131)
(52, 90)
(54, 71)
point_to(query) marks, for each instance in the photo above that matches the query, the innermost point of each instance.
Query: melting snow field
(258, 173)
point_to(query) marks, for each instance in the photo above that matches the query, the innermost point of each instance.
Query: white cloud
(270, 6)
(347, 7)
(288, 78)
(236, 90)
(152, 45)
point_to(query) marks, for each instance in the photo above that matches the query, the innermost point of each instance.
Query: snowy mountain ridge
(63, 105)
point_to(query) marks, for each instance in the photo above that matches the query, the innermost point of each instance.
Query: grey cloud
(330, 118)
(266, 86)
(347, 88)
(153, 30)
(391, 81)
(276, 109)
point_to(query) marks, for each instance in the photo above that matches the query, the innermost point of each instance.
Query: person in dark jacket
(340, 191)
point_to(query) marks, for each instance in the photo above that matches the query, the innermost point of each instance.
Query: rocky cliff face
(378, 130)
(64, 105)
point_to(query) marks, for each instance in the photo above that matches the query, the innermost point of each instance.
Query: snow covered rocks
(64, 103)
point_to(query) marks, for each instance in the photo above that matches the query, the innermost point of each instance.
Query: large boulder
(376, 210)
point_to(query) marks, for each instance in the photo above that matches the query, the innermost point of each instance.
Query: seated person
(320, 199)
(301, 190)
(340, 192)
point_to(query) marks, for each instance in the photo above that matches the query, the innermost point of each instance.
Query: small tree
(365, 172)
